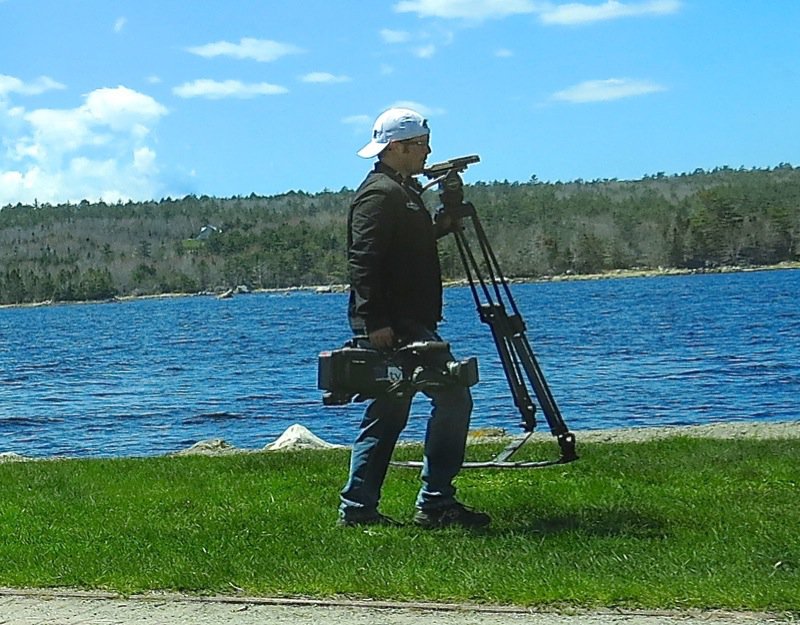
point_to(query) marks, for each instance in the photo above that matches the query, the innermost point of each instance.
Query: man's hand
(446, 223)
(382, 338)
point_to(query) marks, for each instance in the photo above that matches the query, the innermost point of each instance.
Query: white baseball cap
(395, 124)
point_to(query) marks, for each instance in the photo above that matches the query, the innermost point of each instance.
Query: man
(396, 298)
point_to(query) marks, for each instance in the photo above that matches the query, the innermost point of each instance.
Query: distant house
(206, 232)
(198, 242)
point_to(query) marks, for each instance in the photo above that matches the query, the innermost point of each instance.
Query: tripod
(494, 300)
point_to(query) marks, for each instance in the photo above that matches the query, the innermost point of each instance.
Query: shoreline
(298, 437)
(615, 274)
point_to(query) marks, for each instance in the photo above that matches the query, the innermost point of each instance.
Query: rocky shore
(341, 288)
(299, 437)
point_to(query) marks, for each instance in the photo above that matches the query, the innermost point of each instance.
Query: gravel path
(40, 607)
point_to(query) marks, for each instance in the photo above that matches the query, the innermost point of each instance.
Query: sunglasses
(415, 142)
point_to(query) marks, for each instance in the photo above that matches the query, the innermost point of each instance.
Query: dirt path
(73, 608)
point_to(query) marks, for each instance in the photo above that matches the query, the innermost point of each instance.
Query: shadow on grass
(601, 523)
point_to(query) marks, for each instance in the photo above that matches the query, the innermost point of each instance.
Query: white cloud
(57, 131)
(423, 45)
(426, 51)
(96, 150)
(323, 77)
(262, 50)
(503, 53)
(579, 13)
(394, 36)
(549, 12)
(144, 160)
(11, 84)
(120, 24)
(467, 9)
(357, 119)
(605, 90)
(360, 125)
(122, 108)
(217, 90)
(420, 108)
(106, 116)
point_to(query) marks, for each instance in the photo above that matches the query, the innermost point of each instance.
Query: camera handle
(494, 300)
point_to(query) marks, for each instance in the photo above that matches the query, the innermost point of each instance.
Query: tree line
(94, 250)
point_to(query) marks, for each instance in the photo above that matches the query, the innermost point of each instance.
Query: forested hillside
(97, 250)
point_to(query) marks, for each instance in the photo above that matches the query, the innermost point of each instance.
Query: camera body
(356, 373)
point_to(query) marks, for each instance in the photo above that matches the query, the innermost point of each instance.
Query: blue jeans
(445, 440)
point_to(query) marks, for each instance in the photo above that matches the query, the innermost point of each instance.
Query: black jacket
(393, 262)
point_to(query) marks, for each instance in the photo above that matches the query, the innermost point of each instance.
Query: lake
(152, 376)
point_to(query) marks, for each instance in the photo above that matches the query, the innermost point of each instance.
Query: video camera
(356, 373)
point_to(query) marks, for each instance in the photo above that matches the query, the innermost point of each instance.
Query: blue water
(147, 377)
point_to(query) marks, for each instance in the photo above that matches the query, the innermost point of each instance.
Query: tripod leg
(542, 391)
(494, 317)
(508, 332)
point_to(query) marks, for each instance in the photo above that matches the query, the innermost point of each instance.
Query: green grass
(675, 523)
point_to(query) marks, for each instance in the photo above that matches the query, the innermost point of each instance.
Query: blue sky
(146, 99)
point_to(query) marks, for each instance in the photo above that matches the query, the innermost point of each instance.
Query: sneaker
(362, 520)
(454, 514)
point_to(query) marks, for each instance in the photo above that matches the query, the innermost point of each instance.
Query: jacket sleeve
(370, 231)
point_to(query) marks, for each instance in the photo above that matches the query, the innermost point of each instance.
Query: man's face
(414, 152)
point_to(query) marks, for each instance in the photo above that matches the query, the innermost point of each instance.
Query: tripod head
(454, 164)
(451, 187)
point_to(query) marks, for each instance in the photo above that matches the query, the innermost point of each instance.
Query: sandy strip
(726, 430)
(29, 607)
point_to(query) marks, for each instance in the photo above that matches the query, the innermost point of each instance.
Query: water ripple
(162, 374)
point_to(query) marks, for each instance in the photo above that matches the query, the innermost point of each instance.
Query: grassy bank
(660, 524)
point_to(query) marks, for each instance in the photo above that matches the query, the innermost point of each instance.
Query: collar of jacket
(410, 182)
(383, 168)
